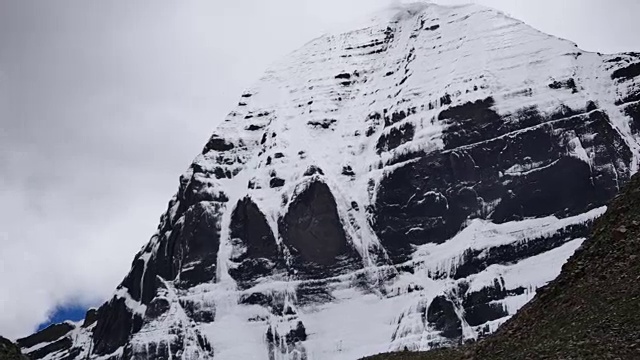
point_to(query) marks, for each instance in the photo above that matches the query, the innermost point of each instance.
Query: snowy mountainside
(409, 184)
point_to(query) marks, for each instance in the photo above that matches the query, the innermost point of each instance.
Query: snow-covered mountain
(408, 184)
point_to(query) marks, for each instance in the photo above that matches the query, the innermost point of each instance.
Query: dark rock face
(115, 324)
(428, 200)
(313, 232)
(64, 343)
(481, 306)
(218, 144)
(628, 72)
(10, 351)
(276, 182)
(442, 316)
(196, 245)
(255, 251)
(156, 308)
(54, 339)
(90, 317)
(396, 137)
(633, 111)
(51, 333)
(470, 122)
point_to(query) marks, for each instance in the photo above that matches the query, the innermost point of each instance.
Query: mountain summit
(406, 185)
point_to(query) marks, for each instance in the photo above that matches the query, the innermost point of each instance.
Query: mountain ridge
(418, 178)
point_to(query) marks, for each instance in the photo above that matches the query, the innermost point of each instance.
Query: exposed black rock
(195, 245)
(133, 278)
(116, 322)
(373, 120)
(627, 72)
(348, 171)
(566, 84)
(313, 232)
(442, 316)
(90, 317)
(445, 100)
(395, 137)
(312, 170)
(10, 351)
(470, 122)
(633, 111)
(254, 127)
(49, 334)
(276, 182)
(481, 307)
(395, 117)
(569, 192)
(157, 308)
(255, 250)
(218, 144)
(483, 313)
(298, 334)
(429, 199)
(324, 123)
(64, 343)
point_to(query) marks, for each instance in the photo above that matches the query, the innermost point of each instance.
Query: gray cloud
(103, 105)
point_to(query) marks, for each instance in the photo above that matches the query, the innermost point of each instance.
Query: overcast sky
(103, 104)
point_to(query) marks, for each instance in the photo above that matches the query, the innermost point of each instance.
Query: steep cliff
(10, 351)
(406, 185)
(591, 311)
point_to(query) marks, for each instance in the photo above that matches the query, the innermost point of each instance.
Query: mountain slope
(409, 184)
(591, 311)
(10, 351)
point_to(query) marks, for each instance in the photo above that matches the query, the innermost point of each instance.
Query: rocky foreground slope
(591, 311)
(409, 184)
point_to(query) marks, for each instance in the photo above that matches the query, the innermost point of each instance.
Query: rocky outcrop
(10, 351)
(255, 251)
(313, 232)
(407, 185)
(591, 311)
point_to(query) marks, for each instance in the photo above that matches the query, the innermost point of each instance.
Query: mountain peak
(409, 184)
